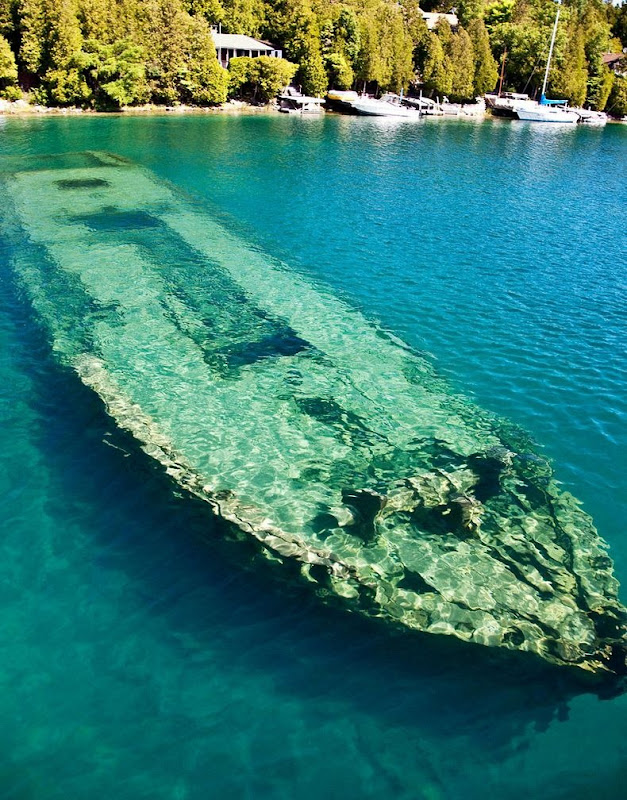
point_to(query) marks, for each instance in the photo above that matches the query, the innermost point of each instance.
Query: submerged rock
(303, 424)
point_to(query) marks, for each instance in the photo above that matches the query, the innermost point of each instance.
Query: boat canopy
(546, 102)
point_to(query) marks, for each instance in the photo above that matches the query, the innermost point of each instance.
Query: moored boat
(390, 105)
(502, 105)
(545, 113)
(588, 116)
(546, 110)
(292, 103)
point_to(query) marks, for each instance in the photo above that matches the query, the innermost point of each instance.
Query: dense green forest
(111, 53)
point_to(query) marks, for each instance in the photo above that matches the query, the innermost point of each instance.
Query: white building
(235, 45)
(431, 18)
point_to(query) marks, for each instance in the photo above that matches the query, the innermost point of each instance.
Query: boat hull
(379, 108)
(318, 436)
(546, 114)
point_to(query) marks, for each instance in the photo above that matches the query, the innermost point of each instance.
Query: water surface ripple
(140, 661)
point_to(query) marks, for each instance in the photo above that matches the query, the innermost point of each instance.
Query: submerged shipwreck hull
(302, 423)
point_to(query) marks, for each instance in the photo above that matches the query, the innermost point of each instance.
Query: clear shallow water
(144, 663)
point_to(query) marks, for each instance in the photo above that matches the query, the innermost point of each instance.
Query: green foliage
(463, 66)
(116, 52)
(469, 10)
(570, 78)
(303, 45)
(211, 10)
(202, 81)
(414, 23)
(8, 9)
(115, 73)
(386, 49)
(32, 33)
(599, 88)
(339, 71)
(259, 79)
(498, 13)
(447, 62)
(244, 16)
(486, 69)
(617, 102)
(618, 20)
(8, 69)
(436, 72)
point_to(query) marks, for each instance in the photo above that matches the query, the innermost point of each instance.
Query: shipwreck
(311, 430)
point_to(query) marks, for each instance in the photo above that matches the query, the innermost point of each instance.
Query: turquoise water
(139, 661)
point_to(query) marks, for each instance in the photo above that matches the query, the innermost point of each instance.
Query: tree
(486, 71)
(63, 82)
(619, 24)
(463, 66)
(163, 32)
(115, 74)
(8, 72)
(339, 71)
(8, 10)
(244, 16)
(211, 10)
(396, 49)
(597, 35)
(302, 42)
(436, 71)
(203, 81)
(570, 78)
(617, 103)
(259, 79)
(32, 29)
(469, 10)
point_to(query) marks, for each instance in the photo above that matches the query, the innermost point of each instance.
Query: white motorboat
(502, 105)
(589, 117)
(388, 106)
(341, 99)
(292, 102)
(425, 105)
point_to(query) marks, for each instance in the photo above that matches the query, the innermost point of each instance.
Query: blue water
(141, 657)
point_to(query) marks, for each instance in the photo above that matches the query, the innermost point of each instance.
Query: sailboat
(546, 110)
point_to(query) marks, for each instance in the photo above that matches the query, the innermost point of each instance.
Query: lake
(144, 658)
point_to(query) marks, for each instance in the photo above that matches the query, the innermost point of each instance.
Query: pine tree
(244, 16)
(302, 42)
(396, 50)
(8, 72)
(463, 64)
(32, 31)
(570, 78)
(617, 102)
(486, 68)
(468, 10)
(204, 81)
(436, 71)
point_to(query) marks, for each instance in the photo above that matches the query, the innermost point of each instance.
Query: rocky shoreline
(24, 108)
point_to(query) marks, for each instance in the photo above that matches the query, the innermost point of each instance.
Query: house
(432, 19)
(235, 45)
(616, 62)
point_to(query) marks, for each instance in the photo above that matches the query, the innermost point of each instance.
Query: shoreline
(22, 108)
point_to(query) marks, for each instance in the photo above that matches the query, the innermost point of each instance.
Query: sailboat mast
(548, 63)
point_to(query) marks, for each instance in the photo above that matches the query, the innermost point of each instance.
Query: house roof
(431, 18)
(613, 58)
(236, 41)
